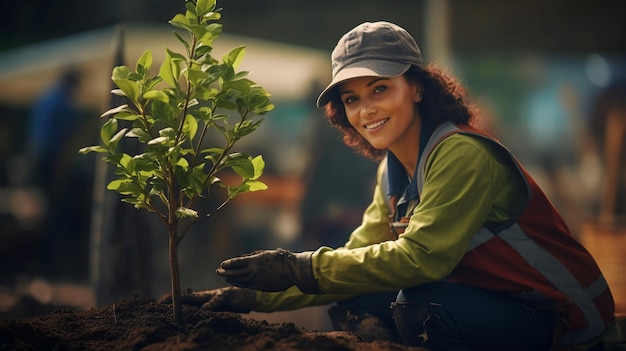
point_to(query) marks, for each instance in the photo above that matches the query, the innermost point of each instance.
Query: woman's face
(382, 110)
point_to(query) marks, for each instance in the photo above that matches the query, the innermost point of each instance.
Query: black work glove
(227, 299)
(271, 270)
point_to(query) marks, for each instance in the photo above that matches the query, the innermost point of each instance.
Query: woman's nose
(367, 108)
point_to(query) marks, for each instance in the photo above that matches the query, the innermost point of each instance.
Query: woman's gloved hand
(271, 270)
(227, 299)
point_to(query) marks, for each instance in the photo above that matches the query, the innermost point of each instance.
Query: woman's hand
(271, 270)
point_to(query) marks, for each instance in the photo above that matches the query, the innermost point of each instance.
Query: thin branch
(197, 149)
(188, 97)
(216, 210)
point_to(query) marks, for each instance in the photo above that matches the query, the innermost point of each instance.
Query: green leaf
(182, 177)
(258, 101)
(158, 140)
(212, 16)
(127, 163)
(259, 165)
(235, 56)
(255, 185)
(192, 18)
(164, 112)
(244, 128)
(209, 33)
(190, 6)
(196, 76)
(108, 129)
(127, 115)
(145, 166)
(198, 30)
(263, 109)
(117, 137)
(176, 56)
(156, 95)
(245, 187)
(241, 164)
(203, 54)
(138, 203)
(123, 78)
(144, 63)
(168, 132)
(181, 21)
(202, 114)
(115, 110)
(135, 77)
(139, 133)
(158, 187)
(170, 68)
(203, 7)
(192, 102)
(115, 184)
(96, 148)
(197, 179)
(183, 163)
(184, 42)
(214, 154)
(129, 88)
(204, 92)
(120, 72)
(183, 212)
(118, 92)
(152, 82)
(125, 187)
(190, 127)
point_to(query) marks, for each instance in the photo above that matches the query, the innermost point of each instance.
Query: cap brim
(373, 68)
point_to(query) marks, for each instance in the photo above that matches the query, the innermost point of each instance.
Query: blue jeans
(449, 316)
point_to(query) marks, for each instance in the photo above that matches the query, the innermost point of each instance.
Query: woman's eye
(380, 89)
(349, 99)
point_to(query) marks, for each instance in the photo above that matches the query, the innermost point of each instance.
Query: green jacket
(467, 184)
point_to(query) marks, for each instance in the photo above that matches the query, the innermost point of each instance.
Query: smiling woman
(459, 240)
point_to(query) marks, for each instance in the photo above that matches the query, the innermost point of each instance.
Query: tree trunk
(175, 275)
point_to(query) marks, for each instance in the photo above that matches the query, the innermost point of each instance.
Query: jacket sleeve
(455, 202)
(373, 229)
(292, 299)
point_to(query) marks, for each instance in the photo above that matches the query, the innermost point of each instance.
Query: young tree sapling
(170, 114)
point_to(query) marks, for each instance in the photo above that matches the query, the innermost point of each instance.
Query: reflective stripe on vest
(534, 255)
(555, 272)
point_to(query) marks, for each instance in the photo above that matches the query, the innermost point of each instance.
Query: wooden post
(120, 244)
(613, 147)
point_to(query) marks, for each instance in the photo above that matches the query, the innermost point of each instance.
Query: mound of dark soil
(140, 323)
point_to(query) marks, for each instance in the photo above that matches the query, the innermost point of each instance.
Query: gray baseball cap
(377, 49)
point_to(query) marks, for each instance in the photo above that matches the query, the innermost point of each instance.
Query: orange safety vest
(533, 255)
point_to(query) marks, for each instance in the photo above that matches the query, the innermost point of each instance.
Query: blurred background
(549, 77)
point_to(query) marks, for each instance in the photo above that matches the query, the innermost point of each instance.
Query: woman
(459, 240)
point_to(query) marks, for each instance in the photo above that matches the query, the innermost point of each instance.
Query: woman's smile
(375, 125)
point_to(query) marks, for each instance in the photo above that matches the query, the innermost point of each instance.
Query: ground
(141, 323)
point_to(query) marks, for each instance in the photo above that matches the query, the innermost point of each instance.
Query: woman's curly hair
(443, 99)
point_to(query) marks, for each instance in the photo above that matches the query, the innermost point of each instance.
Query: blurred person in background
(459, 249)
(556, 138)
(54, 133)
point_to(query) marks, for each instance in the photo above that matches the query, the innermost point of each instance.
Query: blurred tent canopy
(285, 71)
